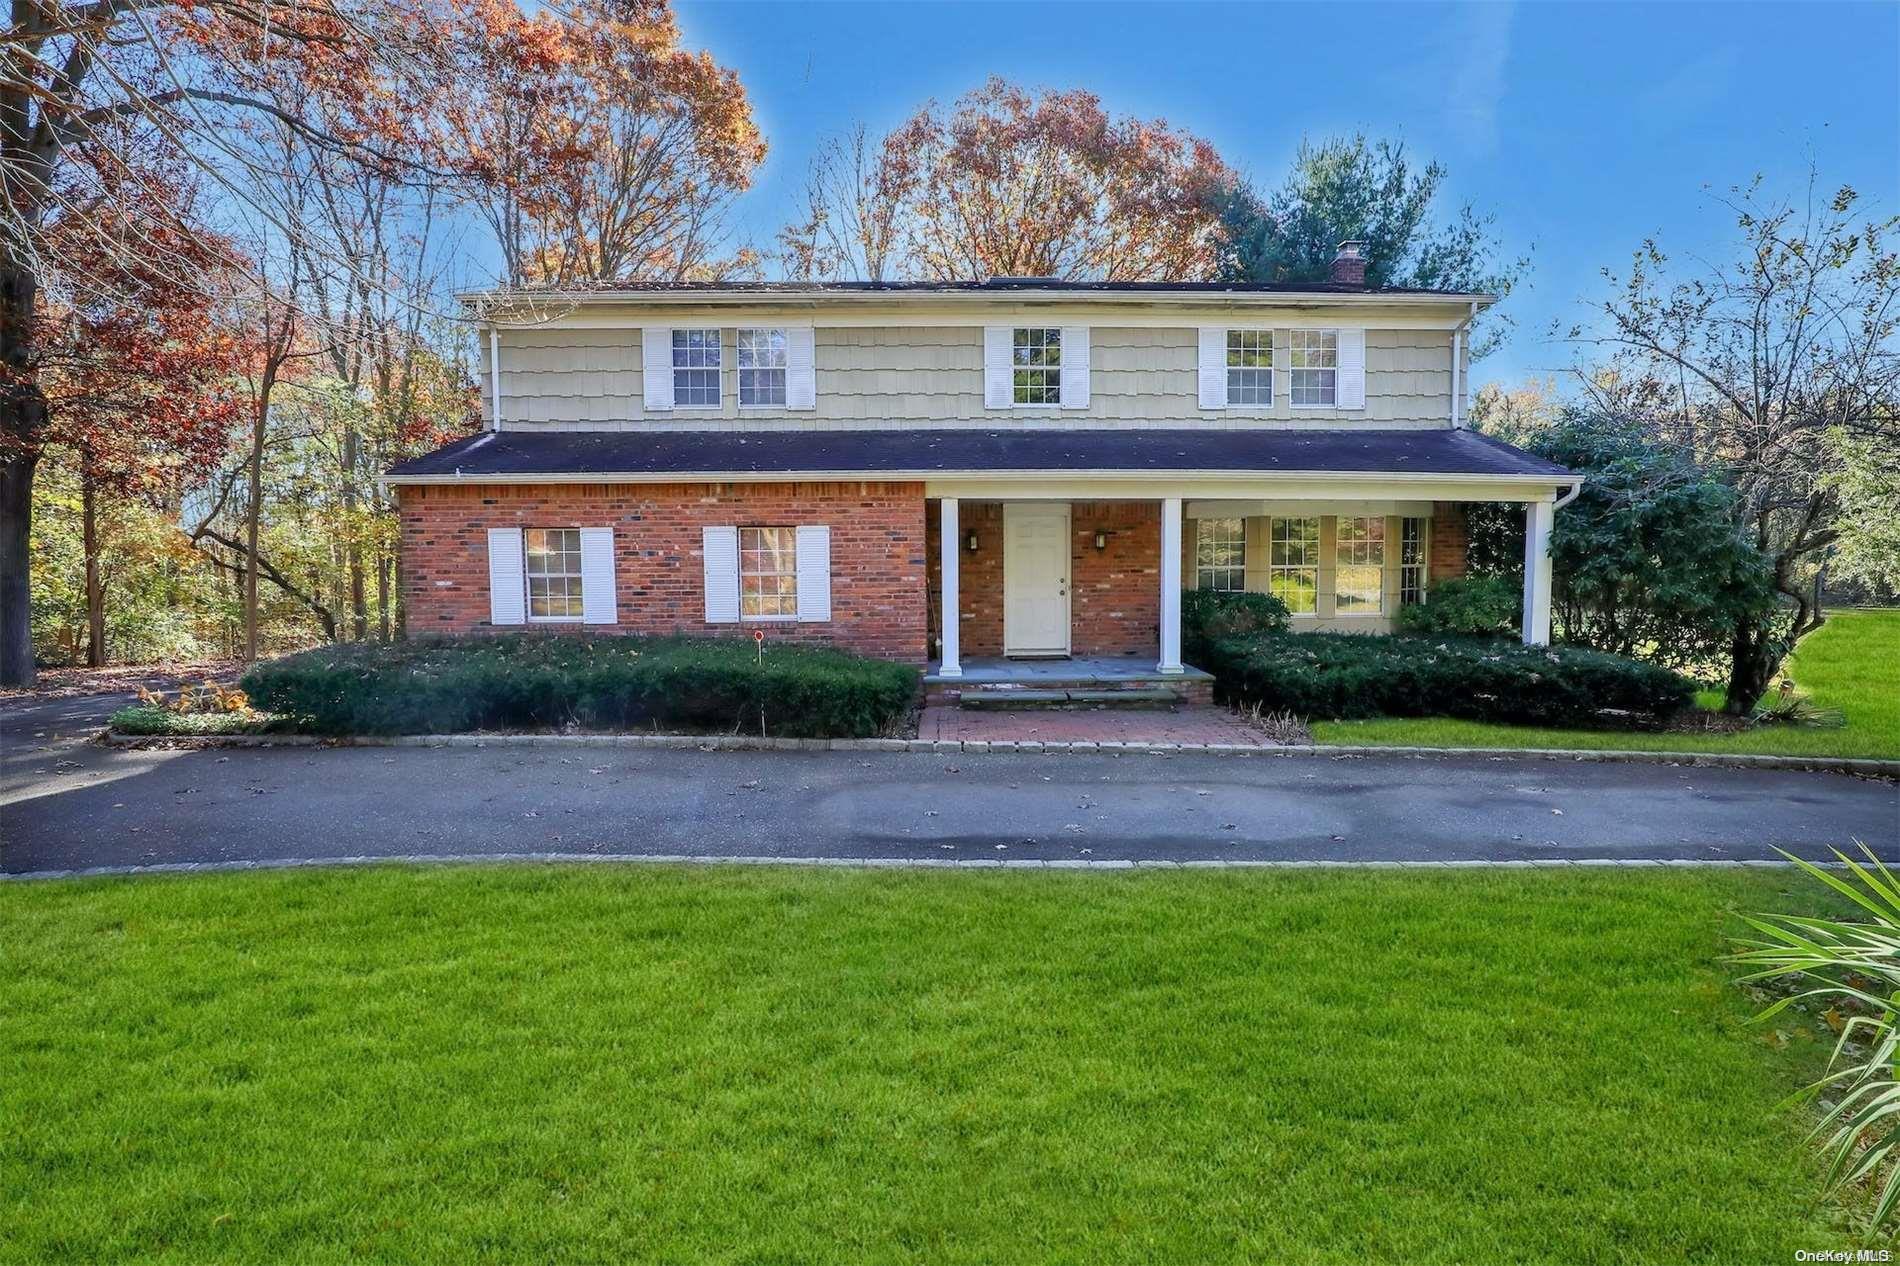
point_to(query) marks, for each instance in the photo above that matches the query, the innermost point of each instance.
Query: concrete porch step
(1126, 697)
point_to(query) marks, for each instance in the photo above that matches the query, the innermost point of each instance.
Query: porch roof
(524, 456)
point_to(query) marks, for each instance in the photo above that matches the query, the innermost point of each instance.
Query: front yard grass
(458, 1064)
(1852, 663)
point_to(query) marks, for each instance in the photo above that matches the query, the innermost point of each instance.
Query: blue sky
(1583, 127)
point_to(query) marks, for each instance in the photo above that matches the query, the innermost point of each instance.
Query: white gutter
(1568, 497)
(814, 298)
(999, 476)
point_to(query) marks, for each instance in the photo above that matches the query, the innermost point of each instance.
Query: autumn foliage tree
(138, 356)
(598, 148)
(1013, 182)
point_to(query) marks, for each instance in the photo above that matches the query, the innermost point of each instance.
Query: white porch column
(952, 546)
(1170, 586)
(1537, 521)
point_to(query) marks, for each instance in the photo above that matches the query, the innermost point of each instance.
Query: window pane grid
(1293, 563)
(553, 570)
(1411, 561)
(1359, 557)
(696, 364)
(768, 572)
(1220, 554)
(1250, 367)
(1036, 360)
(1315, 366)
(762, 367)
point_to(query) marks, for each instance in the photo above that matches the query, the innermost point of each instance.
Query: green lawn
(1852, 663)
(461, 1064)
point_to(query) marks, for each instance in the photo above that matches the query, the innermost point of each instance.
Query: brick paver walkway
(1187, 724)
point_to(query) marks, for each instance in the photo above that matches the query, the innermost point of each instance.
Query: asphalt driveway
(67, 804)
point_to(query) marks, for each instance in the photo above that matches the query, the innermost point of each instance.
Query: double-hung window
(696, 369)
(1293, 563)
(552, 558)
(1220, 554)
(1036, 365)
(762, 367)
(1315, 368)
(1250, 367)
(1412, 545)
(768, 573)
(1359, 566)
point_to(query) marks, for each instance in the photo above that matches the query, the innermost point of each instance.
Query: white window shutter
(722, 574)
(1351, 391)
(1075, 366)
(598, 604)
(1283, 365)
(507, 587)
(801, 373)
(656, 365)
(1213, 368)
(997, 389)
(814, 574)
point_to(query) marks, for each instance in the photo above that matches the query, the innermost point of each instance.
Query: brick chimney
(1349, 266)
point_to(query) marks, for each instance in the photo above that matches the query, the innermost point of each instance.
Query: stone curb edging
(902, 863)
(1865, 767)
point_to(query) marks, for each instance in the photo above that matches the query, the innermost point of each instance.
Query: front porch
(1040, 590)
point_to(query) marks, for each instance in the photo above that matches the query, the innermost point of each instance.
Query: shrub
(531, 681)
(1209, 615)
(146, 719)
(1332, 676)
(1469, 606)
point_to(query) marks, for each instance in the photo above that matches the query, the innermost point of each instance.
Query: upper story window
(1220, 554)
(762, 367)
(553, 569)
(1359, 576)
(1250, 367)
(1315, 367)
(1293, 563)
(768, 573)
(1036, 364)
(696, 368)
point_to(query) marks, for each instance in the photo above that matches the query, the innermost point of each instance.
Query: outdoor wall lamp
(1101, 539)
(969, 542)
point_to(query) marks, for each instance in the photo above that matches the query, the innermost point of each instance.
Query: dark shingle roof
(924, 451)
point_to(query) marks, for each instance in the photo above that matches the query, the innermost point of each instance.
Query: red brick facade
(877, 553)
(1114, 592)
(1450, 541)
(885, 560)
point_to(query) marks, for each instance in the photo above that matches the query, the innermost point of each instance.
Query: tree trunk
(353, 549)
(253, 514)
(95, 588)
(22, 424)
(1753, 659)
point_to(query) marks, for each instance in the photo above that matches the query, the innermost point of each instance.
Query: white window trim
(739, 368)
(1273, 369)
(717, 405)
(1200, 525)
(527, 589)
(1380, 611)
(1062, 352)
(1424, 564)
(768, 619)
(1292, 369)
(1317, 566)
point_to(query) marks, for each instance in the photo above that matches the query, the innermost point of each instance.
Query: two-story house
(962, 473)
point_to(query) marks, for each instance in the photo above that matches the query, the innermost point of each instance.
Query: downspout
(1458, 367)
(1567, 498)
(494, 377)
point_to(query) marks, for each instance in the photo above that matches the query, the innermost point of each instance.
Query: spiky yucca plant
(1856, 964)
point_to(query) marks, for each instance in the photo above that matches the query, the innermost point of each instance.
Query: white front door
(1035, 579)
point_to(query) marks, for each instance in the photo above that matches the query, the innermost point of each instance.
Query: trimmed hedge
(1468, 606)
(1334, 676)
(611, 682)
(1210, 615)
